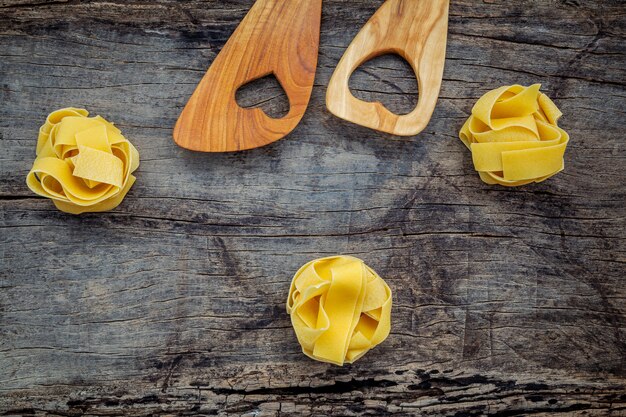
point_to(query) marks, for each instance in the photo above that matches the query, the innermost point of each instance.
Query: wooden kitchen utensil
(279, 37)
(416, 30)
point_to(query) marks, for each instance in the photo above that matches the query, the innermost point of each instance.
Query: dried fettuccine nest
(340, 309)
(514, 136)
(83, 164)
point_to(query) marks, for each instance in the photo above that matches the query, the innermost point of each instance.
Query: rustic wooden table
(507, 301)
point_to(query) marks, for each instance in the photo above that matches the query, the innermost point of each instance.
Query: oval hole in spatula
(265, 93)
(388, 79)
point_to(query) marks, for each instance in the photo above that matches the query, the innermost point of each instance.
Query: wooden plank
(507, 301)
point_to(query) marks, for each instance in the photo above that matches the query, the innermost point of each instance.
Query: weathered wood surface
(507, 301)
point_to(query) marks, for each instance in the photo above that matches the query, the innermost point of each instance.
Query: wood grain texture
(276, 37)
(506, 302)
(416, 30)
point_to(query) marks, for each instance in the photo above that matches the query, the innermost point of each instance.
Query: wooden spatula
(416, 30)
(279, 37)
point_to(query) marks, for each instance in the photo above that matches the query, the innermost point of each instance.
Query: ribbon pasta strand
(514, 136)
(83, 164)
(340, 309)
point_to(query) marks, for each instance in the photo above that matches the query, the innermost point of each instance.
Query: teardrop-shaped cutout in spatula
(279, 37)
(416, 30)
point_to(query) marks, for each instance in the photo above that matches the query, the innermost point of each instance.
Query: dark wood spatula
(279, 37)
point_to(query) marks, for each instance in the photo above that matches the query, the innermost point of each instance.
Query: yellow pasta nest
(514, 136)
(83, 164)
(340, 309)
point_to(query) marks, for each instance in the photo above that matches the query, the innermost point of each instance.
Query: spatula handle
(417, 31)
(279, 37)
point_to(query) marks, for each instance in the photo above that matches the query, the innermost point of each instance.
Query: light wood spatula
(279, 37)
(416, 30)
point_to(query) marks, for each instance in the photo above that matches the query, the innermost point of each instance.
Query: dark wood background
(506, 301)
